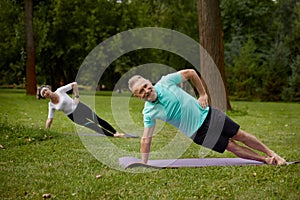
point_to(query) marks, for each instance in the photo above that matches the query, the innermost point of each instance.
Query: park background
(261, 58)
(258, 49)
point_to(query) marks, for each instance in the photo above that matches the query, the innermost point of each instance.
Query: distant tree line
(261, 41)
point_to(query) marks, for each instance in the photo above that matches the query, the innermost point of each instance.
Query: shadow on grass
(17, 134)
(238, 111)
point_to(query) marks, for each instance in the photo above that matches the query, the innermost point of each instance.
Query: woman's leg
(84, 116)
(104, 124)
(97, 128)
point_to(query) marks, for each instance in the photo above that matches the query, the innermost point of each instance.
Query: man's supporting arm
(146, 143)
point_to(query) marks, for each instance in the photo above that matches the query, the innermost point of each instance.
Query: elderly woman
(77, 111)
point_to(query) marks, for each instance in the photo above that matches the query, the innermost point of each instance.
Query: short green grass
(35, 162)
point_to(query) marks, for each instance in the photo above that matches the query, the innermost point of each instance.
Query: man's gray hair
(133, 80)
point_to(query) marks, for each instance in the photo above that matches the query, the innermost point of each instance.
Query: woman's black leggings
(84, 116)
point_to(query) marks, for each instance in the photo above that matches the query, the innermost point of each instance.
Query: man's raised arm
(190, 74)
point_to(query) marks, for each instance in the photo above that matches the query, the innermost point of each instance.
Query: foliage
(292, 91)
(12, 43)
(66, 31)
(273, 27)
(277, 72)
(247, 74)
(283, 54)
(241, 18)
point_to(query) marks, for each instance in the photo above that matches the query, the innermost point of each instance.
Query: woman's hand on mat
(117, 134)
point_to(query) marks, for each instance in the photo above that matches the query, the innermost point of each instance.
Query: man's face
(143, 89)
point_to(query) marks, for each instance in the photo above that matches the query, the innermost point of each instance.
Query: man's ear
(134, 95)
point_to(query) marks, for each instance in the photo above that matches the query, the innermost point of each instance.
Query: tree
(211, 37)
(64, 33)
(12, 70)
(30, 50)
(280, 81)
(247, 74)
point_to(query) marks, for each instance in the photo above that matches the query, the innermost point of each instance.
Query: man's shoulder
(169, 79)
(151, 108)
(148, 106)
(171, 76)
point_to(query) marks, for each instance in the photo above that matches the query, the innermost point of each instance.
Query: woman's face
(46, 93)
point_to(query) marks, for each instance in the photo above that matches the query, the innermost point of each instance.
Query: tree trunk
(30, 50)
(211, 39)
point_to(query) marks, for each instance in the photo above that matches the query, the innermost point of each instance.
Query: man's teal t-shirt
(174, 106)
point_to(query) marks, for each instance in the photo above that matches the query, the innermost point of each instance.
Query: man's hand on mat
(117, 134)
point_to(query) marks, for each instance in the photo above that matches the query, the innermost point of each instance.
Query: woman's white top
(65, 104)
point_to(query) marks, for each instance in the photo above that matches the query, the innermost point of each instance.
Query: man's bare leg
(252, 142)
(244, 152)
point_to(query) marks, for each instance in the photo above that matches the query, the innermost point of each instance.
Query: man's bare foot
(117, 134)
(275, 160)
(279, 160)
(270, 160)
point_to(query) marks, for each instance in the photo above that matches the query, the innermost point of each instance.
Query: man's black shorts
(216, 131)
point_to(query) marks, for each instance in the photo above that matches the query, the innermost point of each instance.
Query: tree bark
(211, 39)
(30, 50)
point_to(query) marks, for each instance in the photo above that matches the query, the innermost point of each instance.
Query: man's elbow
(188, 74)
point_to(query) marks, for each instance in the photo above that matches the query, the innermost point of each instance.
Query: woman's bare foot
(117, 134)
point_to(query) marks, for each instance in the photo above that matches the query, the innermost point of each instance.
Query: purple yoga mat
(130, 162)
(102, 135)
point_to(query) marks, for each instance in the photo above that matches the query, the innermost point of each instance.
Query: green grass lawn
(34, 162)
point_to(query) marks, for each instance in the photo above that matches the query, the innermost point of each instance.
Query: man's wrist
(77, 96)
(145, 148)
(203, 94)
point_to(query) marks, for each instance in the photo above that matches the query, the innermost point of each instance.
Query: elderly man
(169, 102)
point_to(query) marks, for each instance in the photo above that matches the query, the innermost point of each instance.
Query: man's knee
(244, 137)
(231, 146)
(241, 135)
